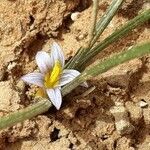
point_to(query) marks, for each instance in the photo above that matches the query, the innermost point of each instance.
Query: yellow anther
(52, 77)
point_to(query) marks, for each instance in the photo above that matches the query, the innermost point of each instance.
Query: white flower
(52, 75)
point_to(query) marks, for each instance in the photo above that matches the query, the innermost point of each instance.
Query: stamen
(52, 78)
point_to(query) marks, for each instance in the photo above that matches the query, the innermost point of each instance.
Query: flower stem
(94, 70)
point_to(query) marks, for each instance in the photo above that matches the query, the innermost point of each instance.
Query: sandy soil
(115, 116)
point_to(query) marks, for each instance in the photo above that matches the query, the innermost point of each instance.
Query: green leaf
(97, 68)
(80, 62)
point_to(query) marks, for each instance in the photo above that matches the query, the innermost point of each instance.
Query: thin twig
(87, 92)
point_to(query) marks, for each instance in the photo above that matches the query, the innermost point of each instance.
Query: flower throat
(51, 78)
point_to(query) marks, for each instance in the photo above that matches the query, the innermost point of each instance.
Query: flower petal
(44, 61)
(67, 76)
(55, 97)
(71, 72)
(34, 78)
(57, 54)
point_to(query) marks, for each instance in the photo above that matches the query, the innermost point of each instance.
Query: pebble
(81, 36)
(75, 16)
(11, 66)
(143, 104)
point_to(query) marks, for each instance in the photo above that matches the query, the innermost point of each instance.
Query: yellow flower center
(52, 77)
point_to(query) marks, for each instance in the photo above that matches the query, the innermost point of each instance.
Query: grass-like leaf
(97, 68)
(106, 18)
(98, 30)
(79, 61)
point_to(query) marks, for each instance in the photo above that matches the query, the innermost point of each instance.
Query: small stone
(81, 36)
(75, 16)
(143, 104)
(11, 66)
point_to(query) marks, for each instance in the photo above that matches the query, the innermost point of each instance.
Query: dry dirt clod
(21, 130)
(9, 98)
(124, 75)
(122, 122)
(20, 86)
(135, 111)
(124, 144)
